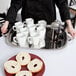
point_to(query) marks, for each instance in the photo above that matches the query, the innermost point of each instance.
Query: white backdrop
(4, 4)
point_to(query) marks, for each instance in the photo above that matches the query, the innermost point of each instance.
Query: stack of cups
(21, 39)
(41, 29)
(18, 26)
(22, 34)
(31, 26)
(33, 32)
(29, 33)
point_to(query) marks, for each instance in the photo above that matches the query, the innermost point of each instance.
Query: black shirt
(38, 10)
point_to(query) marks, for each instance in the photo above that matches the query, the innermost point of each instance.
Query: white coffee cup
(36, 41)
(42, 31)
(18, 26)
(32, 34)
(42, 23)
(29, 22)
(21, 39)
(30, 40)
(42, 43)
(25, 29)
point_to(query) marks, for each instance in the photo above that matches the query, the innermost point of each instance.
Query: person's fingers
(70, 33)
(74, 33)
(3, 29)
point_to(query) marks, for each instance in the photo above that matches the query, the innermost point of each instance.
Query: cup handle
(15, 39)
(14, 28)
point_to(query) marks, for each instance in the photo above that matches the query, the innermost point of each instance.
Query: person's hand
(71, 31)
(4, 27)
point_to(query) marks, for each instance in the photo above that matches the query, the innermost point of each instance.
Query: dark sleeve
(12, 11)
(63, 9)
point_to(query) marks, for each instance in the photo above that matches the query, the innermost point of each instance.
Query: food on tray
(12, 66)
(24, 73)
(35, 65)
(23, 58)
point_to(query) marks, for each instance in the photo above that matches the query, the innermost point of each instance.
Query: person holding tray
(39, 10)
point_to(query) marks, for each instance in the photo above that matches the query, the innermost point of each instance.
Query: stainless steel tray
(11, 34)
